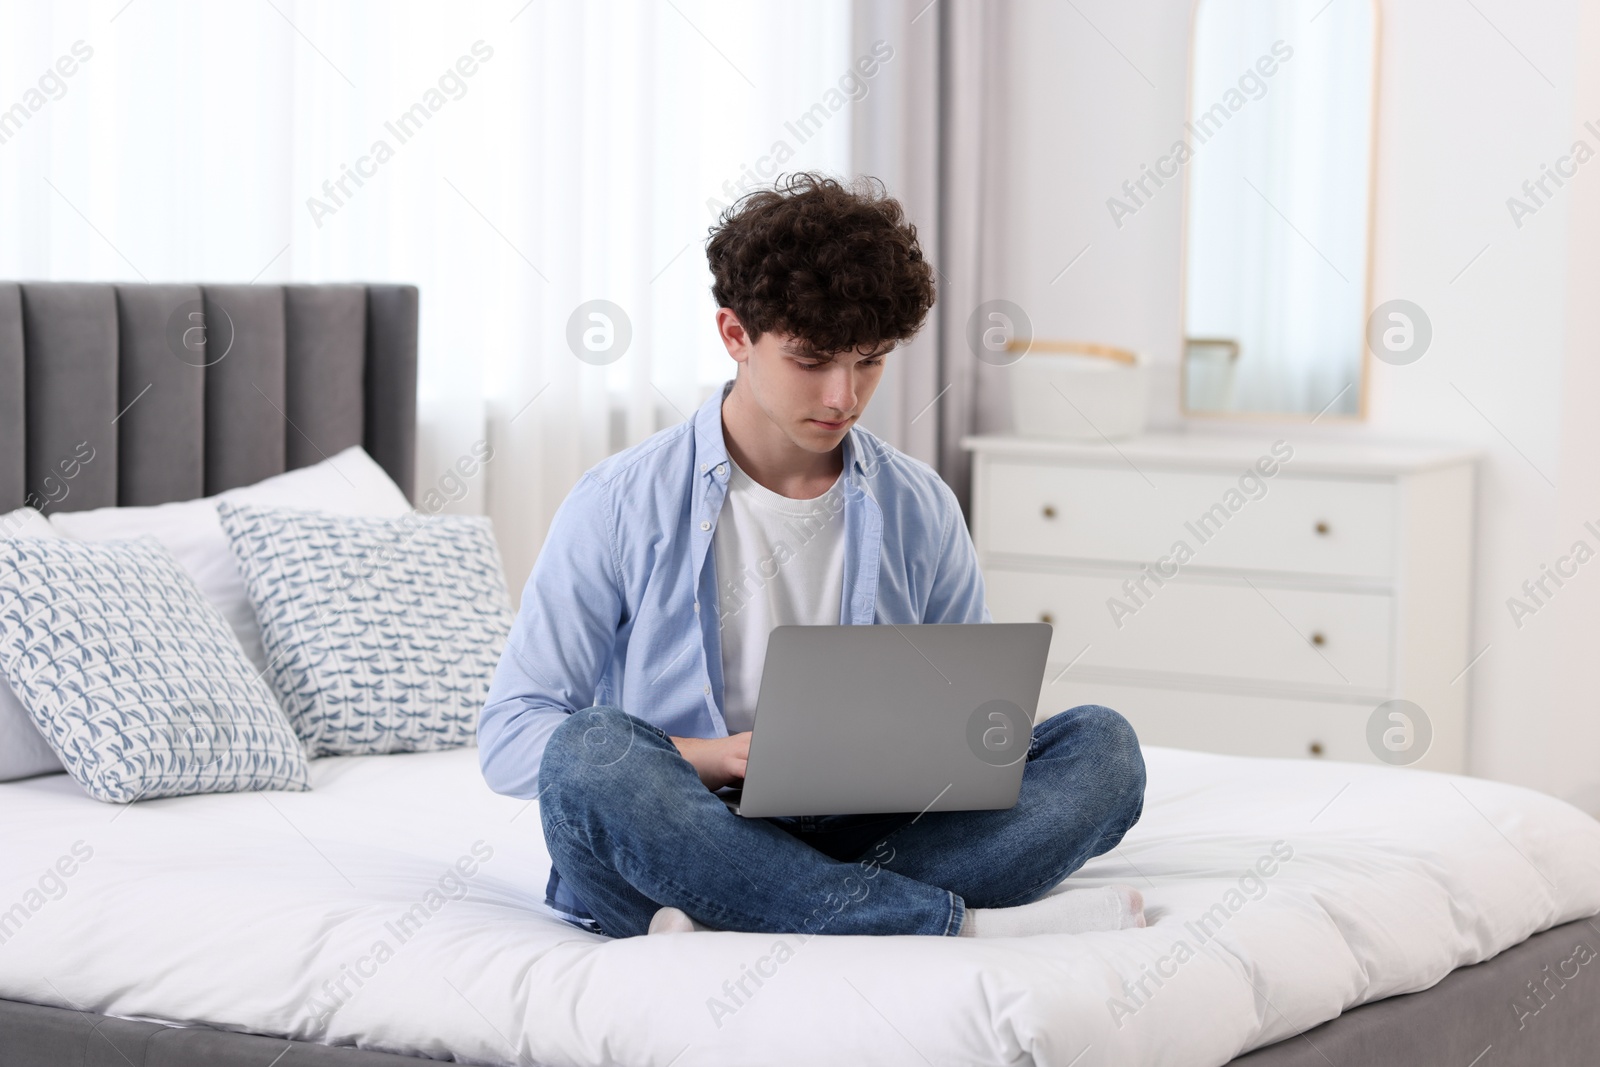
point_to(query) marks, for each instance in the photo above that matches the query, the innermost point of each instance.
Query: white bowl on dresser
(1317, 582)
(1107, 393)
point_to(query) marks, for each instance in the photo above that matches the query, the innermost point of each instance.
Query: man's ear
(734, 336)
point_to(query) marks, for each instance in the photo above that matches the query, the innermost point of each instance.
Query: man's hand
(719, 761)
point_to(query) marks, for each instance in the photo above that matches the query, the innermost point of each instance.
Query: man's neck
(769, 457)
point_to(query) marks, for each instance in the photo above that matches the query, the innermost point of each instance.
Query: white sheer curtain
(512, 159)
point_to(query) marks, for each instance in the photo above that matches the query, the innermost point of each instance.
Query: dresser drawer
(1300, 525)
(1236, 725)
(1216, 628)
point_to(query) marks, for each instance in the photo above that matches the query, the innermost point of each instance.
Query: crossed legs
(630, 826)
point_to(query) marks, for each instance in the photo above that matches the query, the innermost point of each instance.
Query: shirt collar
(711, 450)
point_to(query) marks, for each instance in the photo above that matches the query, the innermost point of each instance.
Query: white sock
(1076, 911)
(674, 921)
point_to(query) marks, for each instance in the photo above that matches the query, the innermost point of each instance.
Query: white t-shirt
(779, 562)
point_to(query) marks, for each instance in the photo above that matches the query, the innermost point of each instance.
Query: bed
(1301, 913)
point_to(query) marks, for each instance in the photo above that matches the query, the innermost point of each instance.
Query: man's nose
(841, 392)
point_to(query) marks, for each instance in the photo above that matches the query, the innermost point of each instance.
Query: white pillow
(24, 752)
(350, 483)
(26, 522)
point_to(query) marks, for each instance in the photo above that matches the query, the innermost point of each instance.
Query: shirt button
(702, 466)
(697, 607)
(721, 469)
(708, 690)
(704, 525)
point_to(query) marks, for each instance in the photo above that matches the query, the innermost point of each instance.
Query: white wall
(1098, 88)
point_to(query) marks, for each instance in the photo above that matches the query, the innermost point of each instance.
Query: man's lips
(830, 425)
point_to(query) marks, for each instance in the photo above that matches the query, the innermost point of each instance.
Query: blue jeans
(631, 827)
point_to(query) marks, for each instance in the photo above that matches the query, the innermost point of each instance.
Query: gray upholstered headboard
(181, 391)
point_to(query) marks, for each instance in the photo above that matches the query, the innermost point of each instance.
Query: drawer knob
(1319, 639)
(1049, 511)
(1045, 616)
(1322, 529)
(1315, 748)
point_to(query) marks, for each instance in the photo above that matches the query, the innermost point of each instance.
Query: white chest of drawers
(1251, 596)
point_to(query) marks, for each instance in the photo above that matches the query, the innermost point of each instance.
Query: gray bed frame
(272, 378)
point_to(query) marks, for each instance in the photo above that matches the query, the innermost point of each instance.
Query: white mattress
(234, 911)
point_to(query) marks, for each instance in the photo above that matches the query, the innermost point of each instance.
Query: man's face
(812, 399)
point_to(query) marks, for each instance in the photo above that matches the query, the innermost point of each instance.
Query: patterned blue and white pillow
(382, 635)
(133, 678)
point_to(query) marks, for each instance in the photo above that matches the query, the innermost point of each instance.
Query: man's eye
(864, 363)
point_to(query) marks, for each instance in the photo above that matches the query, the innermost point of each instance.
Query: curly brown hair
(836, 266)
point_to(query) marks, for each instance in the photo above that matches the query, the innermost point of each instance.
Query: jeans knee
(1101, 726)
(1116, 751)
(591, 746)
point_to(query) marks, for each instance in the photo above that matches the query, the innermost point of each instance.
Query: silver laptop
(893, 718)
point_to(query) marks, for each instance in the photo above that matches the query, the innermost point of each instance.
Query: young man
(626, 693)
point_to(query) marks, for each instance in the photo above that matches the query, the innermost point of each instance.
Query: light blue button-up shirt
(621, 606)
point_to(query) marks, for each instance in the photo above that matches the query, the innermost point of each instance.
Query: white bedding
(235, 909)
